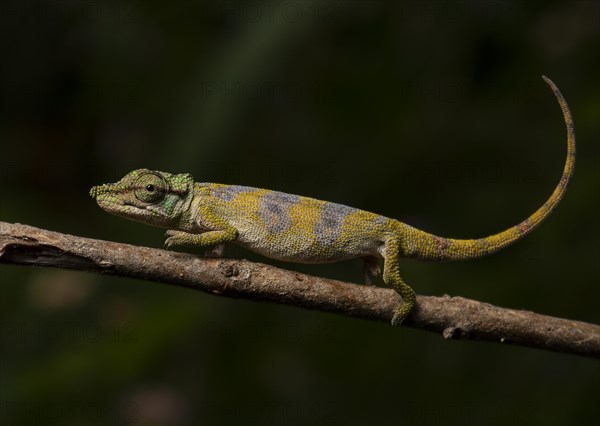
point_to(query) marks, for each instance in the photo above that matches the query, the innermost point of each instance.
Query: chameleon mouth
(105, 194)
(94, 191)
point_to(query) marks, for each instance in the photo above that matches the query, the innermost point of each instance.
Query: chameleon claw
(407, 304)
(400, 315)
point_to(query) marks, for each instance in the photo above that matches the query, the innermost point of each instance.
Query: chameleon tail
(423, 245)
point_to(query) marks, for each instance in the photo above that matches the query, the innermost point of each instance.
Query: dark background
(430, 112)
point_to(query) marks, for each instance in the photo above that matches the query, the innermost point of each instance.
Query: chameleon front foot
(179, 238)
(206, 239)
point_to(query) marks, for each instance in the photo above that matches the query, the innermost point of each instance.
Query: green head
(147, 196)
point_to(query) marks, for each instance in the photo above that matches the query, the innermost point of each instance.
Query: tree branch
(453, 317)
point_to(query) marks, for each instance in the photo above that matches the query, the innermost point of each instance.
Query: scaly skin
(300, 229)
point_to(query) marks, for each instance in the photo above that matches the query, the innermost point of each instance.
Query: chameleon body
(301, 229)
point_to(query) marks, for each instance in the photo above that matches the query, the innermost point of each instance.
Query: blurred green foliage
(430, 112)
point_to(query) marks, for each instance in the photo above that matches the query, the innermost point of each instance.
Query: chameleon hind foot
(371, 269)
(407, 304)
(391, 276)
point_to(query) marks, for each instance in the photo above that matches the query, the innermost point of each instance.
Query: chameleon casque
(301, 229)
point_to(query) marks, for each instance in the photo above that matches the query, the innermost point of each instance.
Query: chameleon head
(147, 196)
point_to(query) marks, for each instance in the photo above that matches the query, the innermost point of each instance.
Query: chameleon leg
(371, 269)
(391, 276)
(180, 238)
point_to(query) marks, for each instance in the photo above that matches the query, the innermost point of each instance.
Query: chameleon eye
(150, 188)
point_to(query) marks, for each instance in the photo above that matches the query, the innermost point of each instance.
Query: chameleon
(300, 229)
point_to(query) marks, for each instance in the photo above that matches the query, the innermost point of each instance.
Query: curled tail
(425, 246)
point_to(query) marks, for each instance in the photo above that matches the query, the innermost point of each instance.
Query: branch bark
(453, 317)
